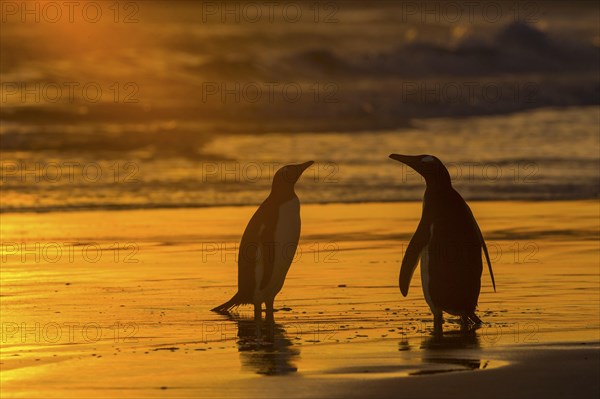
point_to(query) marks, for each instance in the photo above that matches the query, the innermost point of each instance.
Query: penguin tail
(230, 304)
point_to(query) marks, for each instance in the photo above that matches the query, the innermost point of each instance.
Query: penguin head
(287, 176)
(428, 166)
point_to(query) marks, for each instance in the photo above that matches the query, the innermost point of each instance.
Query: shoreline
(125, 208)
(550, 370)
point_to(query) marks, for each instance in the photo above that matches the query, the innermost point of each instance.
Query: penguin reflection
(448, 242)
(268, 245)
(274, 354)
(438, 350)
(452, 340)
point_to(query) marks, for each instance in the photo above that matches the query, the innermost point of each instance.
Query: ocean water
(173, 104)
(544, 154)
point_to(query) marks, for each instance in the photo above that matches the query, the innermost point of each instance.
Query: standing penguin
(269, 244)
(448, 242)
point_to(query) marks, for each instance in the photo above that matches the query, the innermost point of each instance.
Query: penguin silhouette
(449, 242)
(269, 244)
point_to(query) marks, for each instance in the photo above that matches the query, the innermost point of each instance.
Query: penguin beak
(296, 171)
(304, 166)
(405, 159)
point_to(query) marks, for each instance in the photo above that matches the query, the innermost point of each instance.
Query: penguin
(448, 242)
(268, 245)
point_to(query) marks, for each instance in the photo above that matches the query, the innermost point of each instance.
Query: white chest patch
(425, 273)
(259, 269)
(287, 234)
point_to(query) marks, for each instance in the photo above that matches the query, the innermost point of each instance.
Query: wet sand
(116, 304)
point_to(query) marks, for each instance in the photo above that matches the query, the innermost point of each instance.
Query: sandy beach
(116, 303)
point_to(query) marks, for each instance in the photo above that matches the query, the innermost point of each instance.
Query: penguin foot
(470, 323)
(476, 320)
(269, 318)
(438, 323)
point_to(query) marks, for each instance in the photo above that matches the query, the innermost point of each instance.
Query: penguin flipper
(487, 256)
(412, 255)
(251, 253)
